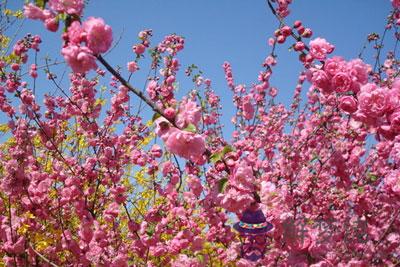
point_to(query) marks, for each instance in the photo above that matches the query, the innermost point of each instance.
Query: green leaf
(62, 16)
(222, 184)
(151, 229)
(190, 128)
(155, 116)
(372, 177)
(41, 3)
(220, 154)
(203, 104)
(227, 149)
(216, 157)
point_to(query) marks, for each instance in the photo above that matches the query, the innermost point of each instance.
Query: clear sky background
(225, 30)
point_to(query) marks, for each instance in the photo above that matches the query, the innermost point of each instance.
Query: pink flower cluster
(228, 74)
(48, 17)
(239, 195)
(379, 107)
(71, 7)
(283, 7)
(185, 144)
(172, 44)
(247, 107)
(320, 48)
(189, 113)
(93, 32)
(98, 39)
(339, 76)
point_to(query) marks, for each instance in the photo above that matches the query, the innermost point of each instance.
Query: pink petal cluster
(95, 34)
(339, 76)
(247, 107)
(240, 196)
(98, 35)
(320, 48)
(392, 182)
(228, 74)
(46, 16)
(373, 100)
(67, 6)
(172, 44)
(79, 58)
(185, 144)
(132, 66)
(195, 185)
(348, 104)
(396, 3)
(189, 113)
(34, 12)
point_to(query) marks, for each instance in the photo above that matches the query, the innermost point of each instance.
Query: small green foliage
(220, 154)
(222, 184)
(191, 128)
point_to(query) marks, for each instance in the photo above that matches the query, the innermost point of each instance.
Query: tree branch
(133, 90)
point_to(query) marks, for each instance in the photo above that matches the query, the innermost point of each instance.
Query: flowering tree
(85, 182)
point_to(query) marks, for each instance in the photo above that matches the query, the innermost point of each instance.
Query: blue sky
(226, 30)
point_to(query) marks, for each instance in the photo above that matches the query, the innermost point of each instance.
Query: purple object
(253, 228)
(253, 222)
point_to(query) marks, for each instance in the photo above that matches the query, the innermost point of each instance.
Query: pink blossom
(67, 6)
(169, 113)
(99, 35)
(151, 89)
(80, 59)
(268, 192)
(189, 113)
(395, 152)
(247, 107)
(51, 24)
(396, 3)
(75, 33)
(271, 41)
(139, 49)
(373, 100)
(394, 120)
(132, 66)
(273, 92)
(359, 70)
(156, 151)
(341, 82)
(394, 95)
(334, 65)
(184, 261)
(185, 144)
(348, 104)
(120, 261)
(320, 48)
(245, 263)
(243, 176)
(320, 80)
(235, 200)
(33, 12)
(195, 185)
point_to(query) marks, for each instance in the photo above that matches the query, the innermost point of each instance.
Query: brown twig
(43, 257)
(133, 90)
